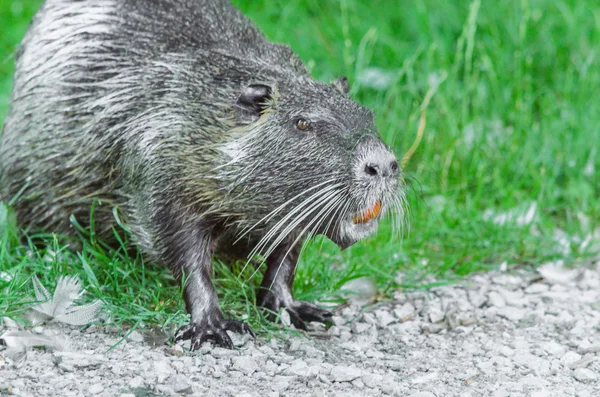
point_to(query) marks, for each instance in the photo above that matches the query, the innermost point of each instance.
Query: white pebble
(96, 389)
(341, 373)
(584, 375)
(245, 364)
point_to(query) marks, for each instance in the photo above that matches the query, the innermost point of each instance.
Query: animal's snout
(383, 168)
(375, 160)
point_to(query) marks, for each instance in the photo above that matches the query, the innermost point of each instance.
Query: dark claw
(311, 312)
(184, 333)
(296, 319)
(300, 312)
(215, 331)
(239, 327)
(222, 339)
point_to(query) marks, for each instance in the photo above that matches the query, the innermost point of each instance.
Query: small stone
(384, 317)
(295, 345)
(388, 386)
(513, 314)
(428, 378)
(358, 383)
(405, 312)
(506, 351)
(584, 375)
(96, 389)
(371, 380)
(556, 273)
(495, 299)
(508, 281)
(175, 351)
(465, 319)
(569, 358)
(423, 394)
(245, 364)
(180, 384)
(434, 328)
(514, 298)
(406, 328)
(220, 352)
(587, 347)
(163, 370)
(324, 379)
(135, 336)
(126, 395)
(476, 298)
(369, 318)
(490, 313)
(436, 315)
(325, 368)
(584, 362)
(553, 348)
(374, 354)
(165, 390)
(359, 328)
(341, 373)
(280, 383)
(136, 382)
(300, 368)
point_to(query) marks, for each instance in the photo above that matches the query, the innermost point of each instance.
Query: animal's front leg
(276, 290)
(207, 320)
(190, 253)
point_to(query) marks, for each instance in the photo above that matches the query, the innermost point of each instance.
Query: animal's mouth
(359, 225)
(368, 215)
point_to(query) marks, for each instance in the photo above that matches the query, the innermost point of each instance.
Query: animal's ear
(255, 99)
(342, 85)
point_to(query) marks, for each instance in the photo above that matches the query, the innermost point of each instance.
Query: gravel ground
(495, 334)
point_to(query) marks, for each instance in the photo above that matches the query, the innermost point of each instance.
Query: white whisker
(271, 214)
(325, 209)
(271, 233)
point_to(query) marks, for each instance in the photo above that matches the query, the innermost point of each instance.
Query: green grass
(516, 121)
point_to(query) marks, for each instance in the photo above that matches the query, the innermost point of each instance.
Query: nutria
(202, 136)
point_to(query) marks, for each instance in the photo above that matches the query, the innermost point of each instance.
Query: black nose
(383, 169)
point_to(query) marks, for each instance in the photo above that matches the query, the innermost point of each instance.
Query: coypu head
(304, 159)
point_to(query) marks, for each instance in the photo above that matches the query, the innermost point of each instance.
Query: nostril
(394, 166)
(371, 169)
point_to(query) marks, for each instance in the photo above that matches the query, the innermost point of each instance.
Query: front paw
(300, 312)
(211, 329)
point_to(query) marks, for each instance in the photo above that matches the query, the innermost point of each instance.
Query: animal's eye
(302, 124)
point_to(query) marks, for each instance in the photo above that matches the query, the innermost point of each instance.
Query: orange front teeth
(369, 214)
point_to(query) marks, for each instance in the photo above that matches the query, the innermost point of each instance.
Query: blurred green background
(507, 171)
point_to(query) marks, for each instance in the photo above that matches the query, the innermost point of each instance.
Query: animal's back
(90, 79)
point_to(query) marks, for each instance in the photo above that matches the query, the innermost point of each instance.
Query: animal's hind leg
(276, 290)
